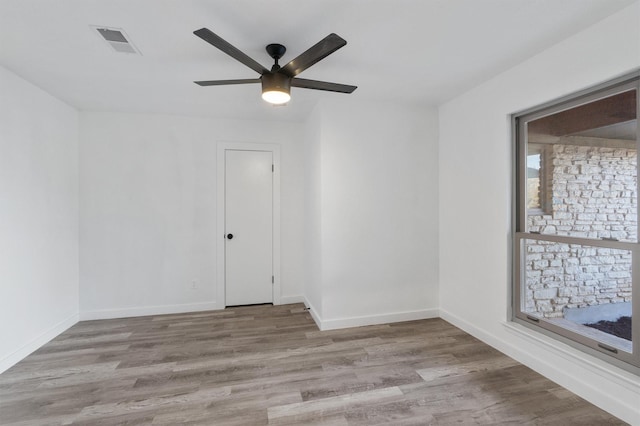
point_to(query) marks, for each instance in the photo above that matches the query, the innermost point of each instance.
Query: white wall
(379, 220)
(312, 213)
(475, 183)
(148, 210)
(38, 218)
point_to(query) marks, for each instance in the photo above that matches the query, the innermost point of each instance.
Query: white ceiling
(417, 51)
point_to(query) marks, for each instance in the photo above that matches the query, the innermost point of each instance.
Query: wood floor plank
(270, 365)
(331, 405)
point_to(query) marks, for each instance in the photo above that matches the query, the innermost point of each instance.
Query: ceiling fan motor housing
(276, 82)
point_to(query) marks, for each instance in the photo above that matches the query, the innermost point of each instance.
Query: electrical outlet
(194, 285)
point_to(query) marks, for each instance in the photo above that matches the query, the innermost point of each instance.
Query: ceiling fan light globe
(276, 97)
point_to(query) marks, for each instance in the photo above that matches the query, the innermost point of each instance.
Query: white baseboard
(166, 309)
(288, 300)
(334, 324)
(595, 382)
(18, 355)
(148, 310)
(313, 312)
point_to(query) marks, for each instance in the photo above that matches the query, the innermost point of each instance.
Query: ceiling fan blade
(234, 52)
(322, 85)
(315, 53)
(226, 82)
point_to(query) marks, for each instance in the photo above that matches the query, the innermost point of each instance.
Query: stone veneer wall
(594, 195)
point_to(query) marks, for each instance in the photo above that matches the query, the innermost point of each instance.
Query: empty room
(323, 212)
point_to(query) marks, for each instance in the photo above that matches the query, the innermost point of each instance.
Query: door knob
(230, 236)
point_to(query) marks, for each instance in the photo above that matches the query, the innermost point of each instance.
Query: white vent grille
(117, 39)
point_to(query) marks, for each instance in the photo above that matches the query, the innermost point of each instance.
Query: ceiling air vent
(117, 39)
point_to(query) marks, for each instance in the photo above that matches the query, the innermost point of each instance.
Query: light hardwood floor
(270, 365)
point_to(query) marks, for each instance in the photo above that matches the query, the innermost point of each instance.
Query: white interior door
(248, 227)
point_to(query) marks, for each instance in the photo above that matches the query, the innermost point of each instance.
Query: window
(576, 250)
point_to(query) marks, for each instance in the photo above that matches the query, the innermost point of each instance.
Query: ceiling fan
(277, 82)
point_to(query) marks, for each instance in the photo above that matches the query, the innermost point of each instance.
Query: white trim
(333, 324)
(547, 366)
(624, 378)
(148, 310)
(314, 313)
(220, 187)
(18, 355)
(277, 297)
(220, 183)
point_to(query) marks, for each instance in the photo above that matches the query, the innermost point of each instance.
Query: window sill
(609, 371)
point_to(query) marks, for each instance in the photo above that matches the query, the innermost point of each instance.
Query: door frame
(220, 214)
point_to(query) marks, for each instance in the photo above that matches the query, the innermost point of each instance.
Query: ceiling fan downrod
(276, 51)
